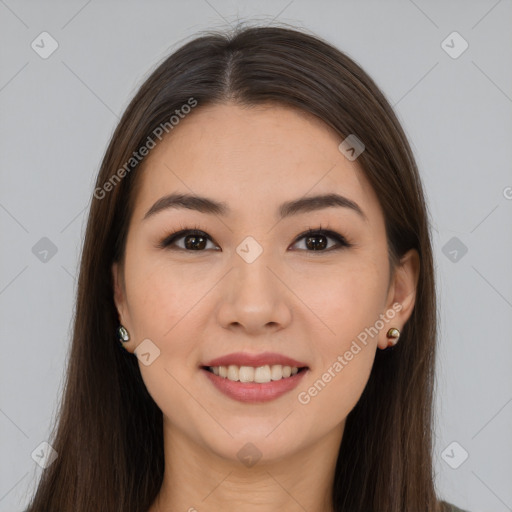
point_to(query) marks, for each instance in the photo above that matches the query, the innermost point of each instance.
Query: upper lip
(245, 359)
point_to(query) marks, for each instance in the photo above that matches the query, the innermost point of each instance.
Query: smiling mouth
(258, 375)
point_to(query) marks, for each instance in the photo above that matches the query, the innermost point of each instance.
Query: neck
(198, 480)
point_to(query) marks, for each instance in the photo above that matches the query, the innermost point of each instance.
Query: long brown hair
(108, 435)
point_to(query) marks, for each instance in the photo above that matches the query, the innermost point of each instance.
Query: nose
(254, 299)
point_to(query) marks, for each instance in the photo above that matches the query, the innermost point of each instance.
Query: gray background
(57, 115)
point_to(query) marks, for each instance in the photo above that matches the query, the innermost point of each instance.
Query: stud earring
(393, 335)
(122, 334)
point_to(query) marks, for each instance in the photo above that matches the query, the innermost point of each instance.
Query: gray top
(453, 508)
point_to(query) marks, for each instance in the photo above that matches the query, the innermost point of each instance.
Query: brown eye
(319, 240)
(193, 240)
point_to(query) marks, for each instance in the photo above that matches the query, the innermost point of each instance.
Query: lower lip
(252, 392)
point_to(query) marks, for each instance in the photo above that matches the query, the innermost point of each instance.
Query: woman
(258, 247)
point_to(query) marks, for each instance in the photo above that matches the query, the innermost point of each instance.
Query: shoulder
(452, 508)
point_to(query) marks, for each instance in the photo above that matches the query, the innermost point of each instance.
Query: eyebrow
(287, 209)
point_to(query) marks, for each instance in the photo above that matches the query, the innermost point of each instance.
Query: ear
(402, 291)
(119, 292)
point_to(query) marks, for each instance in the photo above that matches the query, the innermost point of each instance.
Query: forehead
(251, 157)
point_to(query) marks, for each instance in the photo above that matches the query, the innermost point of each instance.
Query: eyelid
(329, 233)
(342, 242)
(169, 239)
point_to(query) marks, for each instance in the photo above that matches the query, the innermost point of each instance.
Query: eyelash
(170, 238)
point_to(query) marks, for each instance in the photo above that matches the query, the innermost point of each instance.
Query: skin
(309, 305)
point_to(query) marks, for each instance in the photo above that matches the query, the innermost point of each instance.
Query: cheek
(165, 304)
(349, 302)
(347, 297)
(161, 295)
(166, 307)
(331, 394)
(345, 351)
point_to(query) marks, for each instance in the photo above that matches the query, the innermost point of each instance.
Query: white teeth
(233, 372)
(246, 374)
(261, 374)
(277, 372)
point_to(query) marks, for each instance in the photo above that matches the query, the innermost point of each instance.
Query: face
(249, 282)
